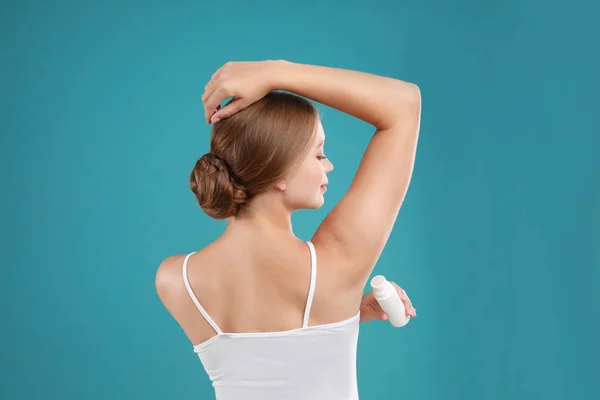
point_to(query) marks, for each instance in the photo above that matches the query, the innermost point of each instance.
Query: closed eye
(321, 157)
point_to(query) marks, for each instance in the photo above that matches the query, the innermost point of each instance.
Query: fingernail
(215, 120)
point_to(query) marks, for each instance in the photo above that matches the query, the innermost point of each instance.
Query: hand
(370, 308)
(245, 82)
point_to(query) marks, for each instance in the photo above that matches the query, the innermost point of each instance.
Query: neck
(265, 215)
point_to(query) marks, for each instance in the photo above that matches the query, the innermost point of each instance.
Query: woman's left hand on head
(244, 82)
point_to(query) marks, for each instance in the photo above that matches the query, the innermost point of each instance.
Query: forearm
(378, 100)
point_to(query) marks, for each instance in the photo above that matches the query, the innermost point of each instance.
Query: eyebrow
(322, 142)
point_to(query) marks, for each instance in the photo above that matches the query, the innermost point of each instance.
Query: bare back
(255, 286)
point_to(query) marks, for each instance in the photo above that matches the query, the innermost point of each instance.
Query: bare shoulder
(169, 269)
(171, 289)
(169, 279)
(168, 266)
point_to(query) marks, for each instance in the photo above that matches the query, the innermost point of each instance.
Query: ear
(282, 186)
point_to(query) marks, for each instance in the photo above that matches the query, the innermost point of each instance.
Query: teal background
(497, 243)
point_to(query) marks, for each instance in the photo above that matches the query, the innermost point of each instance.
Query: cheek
(309, 180)
(319, 171)
(312, 176)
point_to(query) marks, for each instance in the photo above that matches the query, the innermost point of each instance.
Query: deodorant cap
(380, 285)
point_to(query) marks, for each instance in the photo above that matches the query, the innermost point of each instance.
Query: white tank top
(311, 362)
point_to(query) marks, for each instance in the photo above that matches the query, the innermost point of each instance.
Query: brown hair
(251, 151)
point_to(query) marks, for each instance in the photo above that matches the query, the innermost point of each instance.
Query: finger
(210, 87)
(215, 76)
(209, 110)
(410, 310)
(407, 302)
(402, 294)
(213, 101)
(229, 110)
(383, 316)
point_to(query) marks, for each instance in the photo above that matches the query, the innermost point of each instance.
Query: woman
(264, 320)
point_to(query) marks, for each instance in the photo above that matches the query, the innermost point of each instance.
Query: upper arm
(360, 224)
(168, 282)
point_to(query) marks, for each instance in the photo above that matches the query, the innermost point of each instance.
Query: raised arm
(360, 224)
(358, 227)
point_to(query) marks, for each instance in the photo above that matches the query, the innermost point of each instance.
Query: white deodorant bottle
(390, 301)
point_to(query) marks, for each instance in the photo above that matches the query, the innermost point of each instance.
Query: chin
(313, 205)
(320, 202)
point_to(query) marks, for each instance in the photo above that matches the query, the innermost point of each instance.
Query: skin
(255, 276)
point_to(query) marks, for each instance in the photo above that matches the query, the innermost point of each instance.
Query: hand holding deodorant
(389, 300)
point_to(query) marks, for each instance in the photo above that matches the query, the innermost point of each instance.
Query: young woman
(269, 315)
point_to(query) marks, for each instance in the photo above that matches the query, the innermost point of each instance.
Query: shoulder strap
(313, 279)
(196, 302)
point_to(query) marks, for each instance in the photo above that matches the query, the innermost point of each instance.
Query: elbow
(406, 112)
(407, 97)
(402, 105)
(408, 103)
(413, 97)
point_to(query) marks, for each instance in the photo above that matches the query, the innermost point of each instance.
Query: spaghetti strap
(195, 300)
(313, 278)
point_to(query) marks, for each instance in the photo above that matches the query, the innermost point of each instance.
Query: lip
(324, 187)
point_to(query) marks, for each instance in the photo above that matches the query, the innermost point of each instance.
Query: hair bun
(218, 191)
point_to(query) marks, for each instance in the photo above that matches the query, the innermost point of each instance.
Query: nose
(329, 166)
